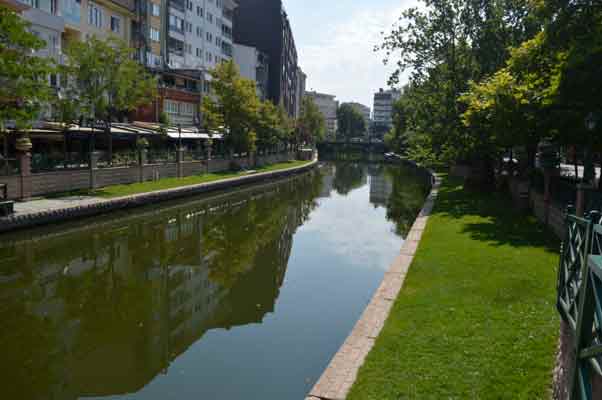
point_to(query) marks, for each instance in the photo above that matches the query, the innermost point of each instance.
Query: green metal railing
(580, 298)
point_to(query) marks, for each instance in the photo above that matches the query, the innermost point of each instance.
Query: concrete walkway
(41, 205)
(338, 378)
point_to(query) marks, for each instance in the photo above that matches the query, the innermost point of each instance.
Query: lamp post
(180, 136)
(589, 173)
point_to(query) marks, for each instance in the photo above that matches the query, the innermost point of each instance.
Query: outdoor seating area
(58, 147)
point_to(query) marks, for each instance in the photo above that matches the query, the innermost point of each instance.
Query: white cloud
(343, 62)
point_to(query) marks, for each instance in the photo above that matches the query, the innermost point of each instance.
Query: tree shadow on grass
(500, 223)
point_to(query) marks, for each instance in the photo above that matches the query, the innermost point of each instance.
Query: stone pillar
(25, 167)
(180, 161)
(93, 169)
(142, 161)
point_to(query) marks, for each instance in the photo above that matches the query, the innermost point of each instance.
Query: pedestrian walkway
(35, 206)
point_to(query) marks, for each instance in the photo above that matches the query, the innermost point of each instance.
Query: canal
(241, 295)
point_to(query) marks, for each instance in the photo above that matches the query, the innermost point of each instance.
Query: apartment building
(253, 65)
(301, 84)
(328, 105)
(383, 110)
(264, 24)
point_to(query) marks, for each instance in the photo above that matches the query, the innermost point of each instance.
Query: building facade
(264, 24)
(383, 110)
(301, 84)
(253, 65)
(180, 41)
(328, 105)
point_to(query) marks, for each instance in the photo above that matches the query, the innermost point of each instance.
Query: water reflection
(103, 309)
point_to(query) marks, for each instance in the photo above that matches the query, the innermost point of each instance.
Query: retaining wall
(32, 219)
(69, 180)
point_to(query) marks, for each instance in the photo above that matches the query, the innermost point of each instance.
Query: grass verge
(170, 183)
(476, 317)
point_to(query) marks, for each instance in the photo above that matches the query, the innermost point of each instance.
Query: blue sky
(335, 41)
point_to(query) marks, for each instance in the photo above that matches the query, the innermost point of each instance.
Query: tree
(103, 81)
(396, 138)
(311, 125)
(445, 46)
(233, 108)
(24, 88)
(350, 122)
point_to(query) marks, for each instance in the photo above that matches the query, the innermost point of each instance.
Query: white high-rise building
(328, 106)
(383, 109)
(200, 33)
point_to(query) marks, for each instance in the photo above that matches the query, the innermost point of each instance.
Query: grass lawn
(476, 318)
(170, 183)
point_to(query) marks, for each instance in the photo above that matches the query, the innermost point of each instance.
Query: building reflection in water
(103, 309)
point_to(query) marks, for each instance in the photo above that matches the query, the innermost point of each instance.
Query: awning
(192, 133)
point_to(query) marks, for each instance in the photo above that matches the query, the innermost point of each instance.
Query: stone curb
(31, 220)
(336, 381)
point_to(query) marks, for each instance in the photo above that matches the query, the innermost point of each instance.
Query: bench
(6, 207)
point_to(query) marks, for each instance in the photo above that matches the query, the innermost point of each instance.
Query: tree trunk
(531, 153)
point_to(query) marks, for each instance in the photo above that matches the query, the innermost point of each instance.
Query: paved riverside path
(338, 378)
(42, 205)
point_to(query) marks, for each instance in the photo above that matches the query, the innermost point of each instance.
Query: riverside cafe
(56, 146)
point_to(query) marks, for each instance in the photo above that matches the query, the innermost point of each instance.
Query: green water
(242, 295)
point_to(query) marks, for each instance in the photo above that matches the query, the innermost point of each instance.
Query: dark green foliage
(350, 121)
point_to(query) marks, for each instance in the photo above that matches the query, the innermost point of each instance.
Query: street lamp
(180, 136)
(589, 172)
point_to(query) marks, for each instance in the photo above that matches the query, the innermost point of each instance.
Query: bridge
(364, 147)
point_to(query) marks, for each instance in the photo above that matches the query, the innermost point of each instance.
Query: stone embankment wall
(38, 184)
(102, 206)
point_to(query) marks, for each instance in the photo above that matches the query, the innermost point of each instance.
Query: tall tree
(233, 107)
(24, 88)
(311, 125)
(444, 46)
(103, 81)
(350, 122)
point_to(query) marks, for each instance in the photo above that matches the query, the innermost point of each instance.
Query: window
(156, 10)
(210, 17)
(189, 5)
(199, 31)
(115, 24)
(199, 11)
(176, 23)
(209, 37)
(154, 34)
(94, 15)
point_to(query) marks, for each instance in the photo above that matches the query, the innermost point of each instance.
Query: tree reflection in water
(102, 308)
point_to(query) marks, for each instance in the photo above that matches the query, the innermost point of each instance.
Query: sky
(335, 42)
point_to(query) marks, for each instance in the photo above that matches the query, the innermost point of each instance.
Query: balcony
(227, 49)
(228, 14)
(178, 5)
(127, 4)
